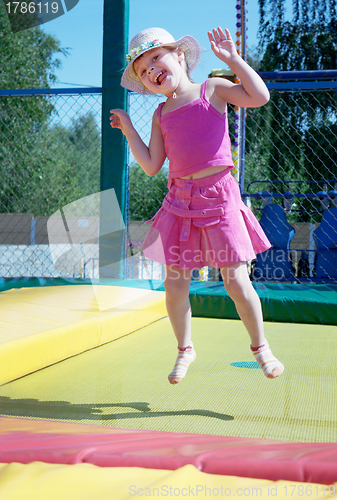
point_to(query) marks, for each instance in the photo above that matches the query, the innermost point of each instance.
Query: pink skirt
(204, 222)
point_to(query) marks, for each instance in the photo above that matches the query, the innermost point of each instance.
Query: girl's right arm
(150, 158)
(252, 91)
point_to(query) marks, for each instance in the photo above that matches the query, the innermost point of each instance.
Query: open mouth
(159, 78)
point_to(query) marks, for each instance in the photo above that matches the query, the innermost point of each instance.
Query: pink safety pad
(26, 441)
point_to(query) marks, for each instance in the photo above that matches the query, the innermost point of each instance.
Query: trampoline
(86, 385)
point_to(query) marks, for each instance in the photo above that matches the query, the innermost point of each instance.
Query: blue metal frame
(299, 195)
(304, 86)
(30, 92)
(298, 75)
(265, 75)
(242, 133)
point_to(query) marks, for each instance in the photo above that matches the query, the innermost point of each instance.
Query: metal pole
(112, 249)
(242, 133)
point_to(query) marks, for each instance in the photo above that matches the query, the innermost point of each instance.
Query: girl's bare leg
(177, 287)
(240, 289)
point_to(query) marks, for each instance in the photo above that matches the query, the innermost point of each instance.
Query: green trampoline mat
(285, 302)
(124, 384)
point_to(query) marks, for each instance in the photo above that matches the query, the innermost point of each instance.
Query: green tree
(27, 60)
(308, 42)
(295, 133)
(67, 165)
(146, 193)
(27, 57)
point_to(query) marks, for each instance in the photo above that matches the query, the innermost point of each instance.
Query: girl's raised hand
(120, 119)
(222, 45)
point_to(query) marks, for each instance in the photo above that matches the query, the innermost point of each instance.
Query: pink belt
(188, 215)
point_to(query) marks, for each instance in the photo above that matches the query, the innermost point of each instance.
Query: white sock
(184, 359)
(271, 366)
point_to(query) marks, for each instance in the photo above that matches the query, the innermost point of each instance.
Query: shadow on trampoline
(33, 408)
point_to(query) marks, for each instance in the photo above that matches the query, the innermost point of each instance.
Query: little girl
(202, 221)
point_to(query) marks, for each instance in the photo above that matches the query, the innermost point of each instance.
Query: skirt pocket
(209, 221)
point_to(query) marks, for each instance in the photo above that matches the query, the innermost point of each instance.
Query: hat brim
(187, 44)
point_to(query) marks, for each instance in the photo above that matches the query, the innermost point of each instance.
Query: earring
(174, 95)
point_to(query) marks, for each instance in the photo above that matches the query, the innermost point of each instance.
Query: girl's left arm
(252, 91)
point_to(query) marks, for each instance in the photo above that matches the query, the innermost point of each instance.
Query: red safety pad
(25, 441)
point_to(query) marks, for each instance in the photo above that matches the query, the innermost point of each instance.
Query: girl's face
(160, 70)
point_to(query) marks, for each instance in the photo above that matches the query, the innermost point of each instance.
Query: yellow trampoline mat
(38, 481)
(41, 326)
(124, 384)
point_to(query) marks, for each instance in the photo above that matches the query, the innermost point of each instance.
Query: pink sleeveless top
(195, 136)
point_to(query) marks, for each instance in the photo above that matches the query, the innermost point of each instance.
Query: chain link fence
(290, 184)
(50, 153)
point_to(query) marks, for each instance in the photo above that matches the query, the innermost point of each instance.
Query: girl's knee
(235, 290)
(239, 289)
(236, 280)
(176, 290)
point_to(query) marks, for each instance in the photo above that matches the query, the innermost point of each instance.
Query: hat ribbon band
(144, 46)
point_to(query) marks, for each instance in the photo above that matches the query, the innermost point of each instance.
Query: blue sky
(81, 30)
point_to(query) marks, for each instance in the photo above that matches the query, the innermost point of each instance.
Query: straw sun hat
(148, 39)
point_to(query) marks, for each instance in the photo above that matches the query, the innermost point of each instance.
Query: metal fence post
(114, 148)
